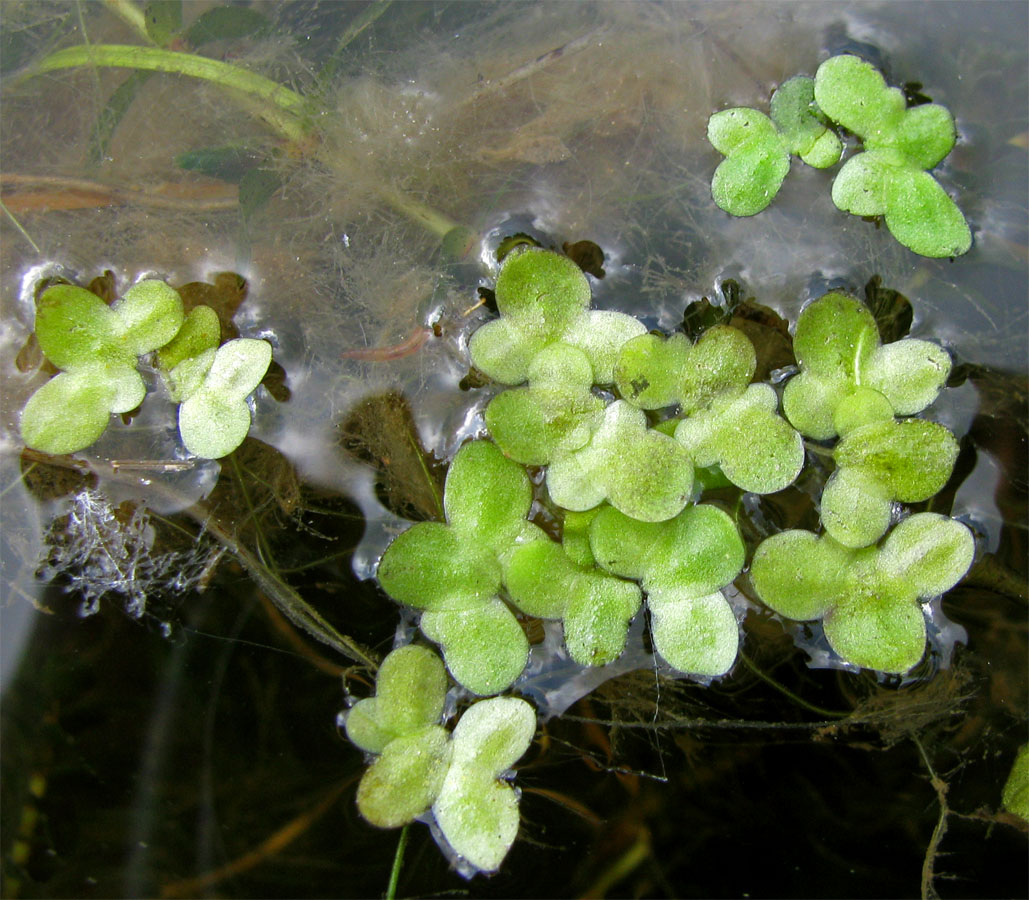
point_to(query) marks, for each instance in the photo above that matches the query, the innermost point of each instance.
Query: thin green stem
(280, 107)
(398, 861)
(800, 701)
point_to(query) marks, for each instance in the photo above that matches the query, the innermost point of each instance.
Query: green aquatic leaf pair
(419, 766)
(757, 148)
(852, 385)
(726, 417)
(97, 348)
(868, 599)
(890, 178)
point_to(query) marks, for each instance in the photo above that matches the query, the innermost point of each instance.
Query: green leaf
(802, 124)
(200, 332)
(1015, 795)
(728, 434)
(843, 367)
(556, 413)
(73, 325)
(212, 427)
(921, 215)
(486, 496)
(410, 689)
(757, 160)
(147, 316)
(406, 779)
(930, 552)
(855, 507)
(869, 597)
(910, 373)
(226, 23)
(799, 575)
(912, 459)
(683, 565)
(854, 94)
(862, 186)
(477, 814)
(877, 629)
(544, 298)
(484, 647)
(698, 635)
(653, 372)
(66, 414)
(163, 20)
(543, 581)
(642, 472)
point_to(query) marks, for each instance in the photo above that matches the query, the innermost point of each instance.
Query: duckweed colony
(624, 518)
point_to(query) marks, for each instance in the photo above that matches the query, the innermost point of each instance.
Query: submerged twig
(95, 193)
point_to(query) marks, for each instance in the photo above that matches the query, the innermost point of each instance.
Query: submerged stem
(398, 861)
(281, 107)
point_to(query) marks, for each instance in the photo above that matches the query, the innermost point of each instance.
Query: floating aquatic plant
(418, 765)
(544, 298)
(848, 377)
(725, 419)
(97, 348)
(869, 599)
(639, 470)
(453, 571)
(683, 564)
(757, 147)
(889, 178)
(594, 607)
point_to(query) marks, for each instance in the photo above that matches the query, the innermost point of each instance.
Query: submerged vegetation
(582, 482)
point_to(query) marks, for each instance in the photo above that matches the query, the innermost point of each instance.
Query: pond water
(181, 739)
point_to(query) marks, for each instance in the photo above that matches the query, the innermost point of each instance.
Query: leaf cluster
(97, 349)
(889, 177)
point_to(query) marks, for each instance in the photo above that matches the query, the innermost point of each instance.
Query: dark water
(192, 749)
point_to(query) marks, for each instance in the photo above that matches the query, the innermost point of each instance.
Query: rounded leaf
(802, 124)
(748, 180)
(545, 288)
(854, 94)
(799, 575)
(73, 325)
(212, 427)
(601, 335)
(930, 552)
(836, 335)
(238, 368)
(428, 567)
(925, 134)
(486, 495)
(597, 619)
(66, 414)
(921, 215)
(148, 316)
(855, 508)
(911, 460)
(492, 735)
(405, 780)
(862, 186)
(910, 373)
(649, 369)
(878, 627)
(501, 351)
(484, 647)
(200, 332)
(698, 635)
(410, 689)
(478, 816)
